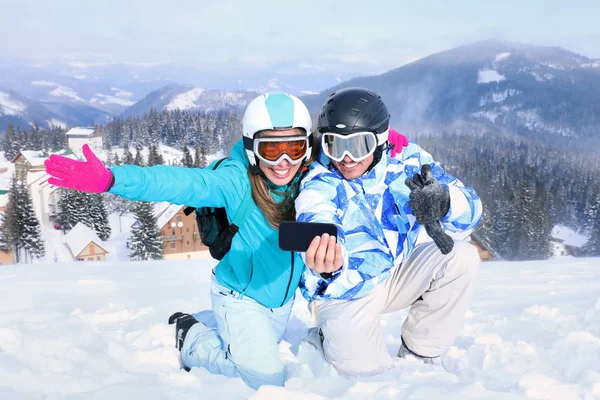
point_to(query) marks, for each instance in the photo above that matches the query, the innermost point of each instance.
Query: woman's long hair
(276, 213)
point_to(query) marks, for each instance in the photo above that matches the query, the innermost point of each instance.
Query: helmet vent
(364, 100)
(371, 94)
(354, 112)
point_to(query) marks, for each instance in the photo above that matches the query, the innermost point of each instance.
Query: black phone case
(297, 236)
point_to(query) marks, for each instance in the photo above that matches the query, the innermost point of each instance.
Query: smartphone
(297, 236)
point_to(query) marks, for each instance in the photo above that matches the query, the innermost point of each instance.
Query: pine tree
(187, 159)
(138, 160)
(12, 144)
(542, 225)
(20, 227)
(98, 215)
(31, 234)
(10, 229)
(199, 157)
(528, 229)
(154, 157)
(145, 239)
(127, 156)
(592, 247)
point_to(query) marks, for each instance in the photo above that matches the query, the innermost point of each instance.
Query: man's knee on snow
(352, 352)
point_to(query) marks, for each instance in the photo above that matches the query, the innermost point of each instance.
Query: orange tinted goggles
(272, 149)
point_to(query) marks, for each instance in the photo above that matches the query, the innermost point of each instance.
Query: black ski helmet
(353, 110)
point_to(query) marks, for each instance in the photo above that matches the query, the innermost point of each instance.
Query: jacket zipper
(287, 291)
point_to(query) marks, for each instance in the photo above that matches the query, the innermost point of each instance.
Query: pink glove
(398, 141)
(86, 176)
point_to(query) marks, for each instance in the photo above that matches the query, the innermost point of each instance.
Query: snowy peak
(9, 105)
(205, 99)
(178, 97)
(535, 91)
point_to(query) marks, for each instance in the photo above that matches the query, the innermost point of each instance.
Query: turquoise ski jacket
(254, 266)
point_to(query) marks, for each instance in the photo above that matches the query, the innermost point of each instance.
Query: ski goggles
(273, 150)
(357, 146)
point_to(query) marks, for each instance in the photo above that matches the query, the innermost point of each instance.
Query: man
(379, 205)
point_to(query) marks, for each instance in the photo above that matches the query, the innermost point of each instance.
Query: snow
(501, 56)
(595, 64)
(568, 236)
(9, 106)
(121, 93)
(59, 90)
(36, 157)
(6, 173)
(554, 66)
(80, 131)
(57, 122)
(208, 99)
(489, 75)
(79, 237)
(98, 330)
(108, 99)
(532, 121)
(542, 77)
(490, 115)
(185, 100)
(497, 97)
(62, 91)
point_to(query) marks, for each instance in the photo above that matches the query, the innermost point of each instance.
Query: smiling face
(351, 169)
(282, 173)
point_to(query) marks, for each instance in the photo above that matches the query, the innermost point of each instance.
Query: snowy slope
(98, 331)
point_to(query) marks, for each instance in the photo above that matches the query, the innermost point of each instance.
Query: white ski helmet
(276, 111)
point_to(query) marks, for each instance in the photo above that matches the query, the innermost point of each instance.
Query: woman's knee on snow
(258, 364)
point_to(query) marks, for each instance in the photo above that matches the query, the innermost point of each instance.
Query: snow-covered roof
(166, 214)
(36, 158)
(79, 131)
(569, 237)
(79, 237)
(163, 211)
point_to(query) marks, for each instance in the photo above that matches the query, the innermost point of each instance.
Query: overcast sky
(388, 33)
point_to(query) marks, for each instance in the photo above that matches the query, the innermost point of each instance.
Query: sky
(194, 32)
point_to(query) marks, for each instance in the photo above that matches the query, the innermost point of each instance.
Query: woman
(253, 286)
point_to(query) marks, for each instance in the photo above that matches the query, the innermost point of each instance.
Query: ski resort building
(79, 136)
(179, 232)
(567, 242)
(84, 244)
(29, 167)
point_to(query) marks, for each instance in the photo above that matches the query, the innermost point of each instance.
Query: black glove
(430, 202)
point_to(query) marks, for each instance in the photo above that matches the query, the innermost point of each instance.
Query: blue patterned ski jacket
(375, 223)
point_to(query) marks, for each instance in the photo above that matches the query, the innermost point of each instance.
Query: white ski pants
(438, 289)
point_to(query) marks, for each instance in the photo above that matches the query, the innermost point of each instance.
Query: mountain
(172, 97)
(41, 84)
(22, 111)
(542, 92)
(93, 90)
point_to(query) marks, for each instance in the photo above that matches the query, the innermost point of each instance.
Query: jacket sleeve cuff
(458, 204)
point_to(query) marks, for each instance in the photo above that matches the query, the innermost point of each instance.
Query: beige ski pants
(438, 289)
